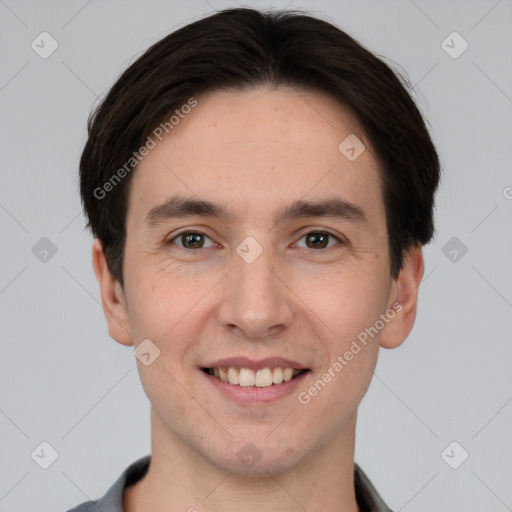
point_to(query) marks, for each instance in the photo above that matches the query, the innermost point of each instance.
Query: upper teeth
(260, 378)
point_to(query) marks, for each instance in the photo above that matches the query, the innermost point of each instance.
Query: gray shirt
(368, 498)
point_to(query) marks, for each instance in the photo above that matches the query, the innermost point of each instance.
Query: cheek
(345, 310)
(345, 302)
(337, 387)
(163, 299)
(168, 308)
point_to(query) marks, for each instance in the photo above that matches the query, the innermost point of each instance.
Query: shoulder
(368, 499)
(112, 501)
(88, 506)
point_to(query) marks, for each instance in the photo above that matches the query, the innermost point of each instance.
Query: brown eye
(319, 240)
(191, 240)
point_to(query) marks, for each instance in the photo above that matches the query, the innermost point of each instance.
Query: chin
(258, 459)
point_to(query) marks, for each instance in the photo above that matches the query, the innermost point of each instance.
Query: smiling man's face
(295, 294)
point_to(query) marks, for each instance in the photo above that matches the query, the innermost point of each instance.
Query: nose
(256, 301)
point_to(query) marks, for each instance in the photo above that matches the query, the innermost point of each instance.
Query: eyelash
(314, 231)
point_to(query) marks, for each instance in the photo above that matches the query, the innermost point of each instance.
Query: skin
(255, 151)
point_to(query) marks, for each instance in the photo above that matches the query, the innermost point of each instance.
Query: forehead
(274, 120)
(258, 149)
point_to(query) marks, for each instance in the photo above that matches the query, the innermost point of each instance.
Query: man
(259, 186)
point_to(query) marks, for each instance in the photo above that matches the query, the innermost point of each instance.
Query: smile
(247, 377)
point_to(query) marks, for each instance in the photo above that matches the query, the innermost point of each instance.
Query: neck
(179, 479)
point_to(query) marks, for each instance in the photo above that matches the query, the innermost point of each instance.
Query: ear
(112, 298)
(403, 299)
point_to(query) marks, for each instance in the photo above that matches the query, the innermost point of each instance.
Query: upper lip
(253, 364)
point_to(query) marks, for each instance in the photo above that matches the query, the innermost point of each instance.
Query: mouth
(254, 382)
(259, 378)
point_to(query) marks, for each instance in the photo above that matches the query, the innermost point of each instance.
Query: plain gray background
(65, 382)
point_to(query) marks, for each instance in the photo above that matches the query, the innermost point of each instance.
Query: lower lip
(253, 395)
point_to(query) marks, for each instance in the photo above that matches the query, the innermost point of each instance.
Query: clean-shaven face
(256, 253)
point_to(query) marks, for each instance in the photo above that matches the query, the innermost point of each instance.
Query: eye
(196, 240)
(319, 240)
(191, 240)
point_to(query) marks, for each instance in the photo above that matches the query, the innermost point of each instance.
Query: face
(281, 262)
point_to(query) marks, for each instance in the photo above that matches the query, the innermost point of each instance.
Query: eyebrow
(178, 207)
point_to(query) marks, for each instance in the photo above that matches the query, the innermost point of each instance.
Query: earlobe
(112, 298)
(405, 298)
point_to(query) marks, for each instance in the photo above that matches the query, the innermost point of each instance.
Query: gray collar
(367, 496)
